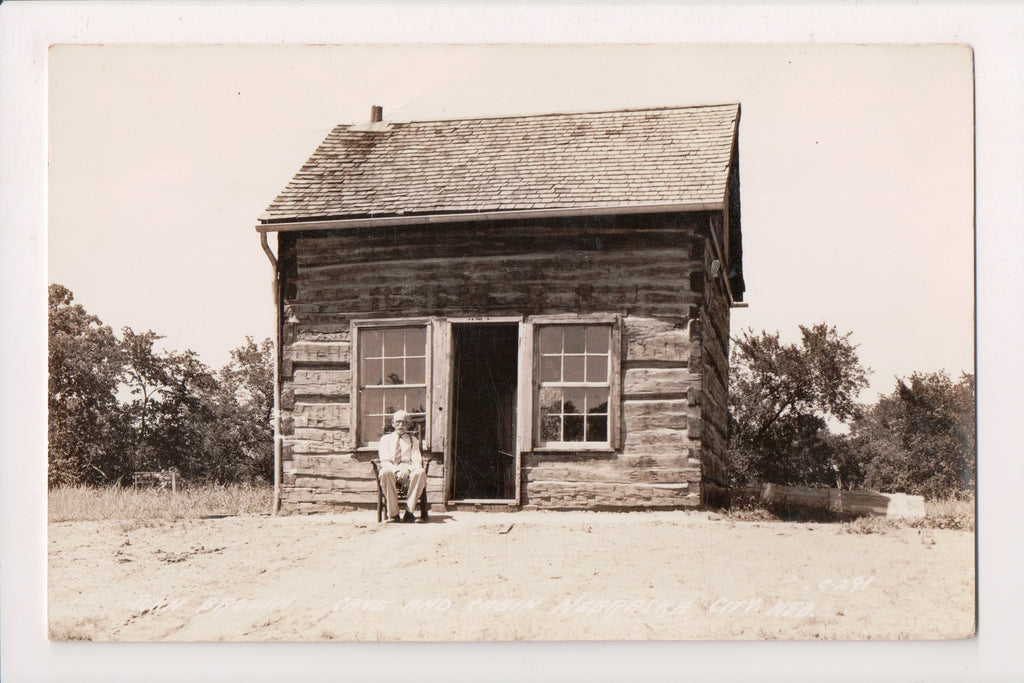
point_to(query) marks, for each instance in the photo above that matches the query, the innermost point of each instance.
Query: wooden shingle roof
(649, 157)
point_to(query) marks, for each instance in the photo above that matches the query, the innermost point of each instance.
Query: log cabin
(548, 296)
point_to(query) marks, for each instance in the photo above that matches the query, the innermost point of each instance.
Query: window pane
(371, 373)
(573, 428)
(372, 429)
(550, 428)
(394, 342)
(550, 369)
(415, 341)
(597, 428)
(551, 339)
(597, 339)
(550, 400)
(394, 399)
(597, 368)
(372, 402)
(369, 344)
(575, 338)
(414, 371)
(420, 422)
(574, 400)
(597, 401)
(416, 400)
(370, 419)
(573, 369)
(394, 371)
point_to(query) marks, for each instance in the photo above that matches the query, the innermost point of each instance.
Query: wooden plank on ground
(845, 502)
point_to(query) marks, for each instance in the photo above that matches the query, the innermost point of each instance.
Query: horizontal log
(331, 331)
(658, 440)
(344, 466)
(446, 295)
(363, 496)
(644, 415)
(341, 466)
(320, 382)
(297, 495)
(432, 300)
(339, 485)
(322, 415)
(613, 268)
(656, 340)
(317, 447)
(493, 239)
(318, 352)
(604, 472)
(682, 459)
(339, 439)
(357, 486)
(584, 495)
(653, 381)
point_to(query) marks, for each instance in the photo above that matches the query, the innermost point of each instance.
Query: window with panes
(392, 372)
(573, 385)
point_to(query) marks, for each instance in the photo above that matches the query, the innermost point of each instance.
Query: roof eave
(266, 225)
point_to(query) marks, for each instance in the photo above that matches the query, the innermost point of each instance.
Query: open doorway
(484, 378)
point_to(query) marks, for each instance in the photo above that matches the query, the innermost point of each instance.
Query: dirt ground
(505, 576)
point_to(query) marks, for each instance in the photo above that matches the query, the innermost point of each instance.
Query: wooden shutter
(440, 372)
(615, 388)
(524, 390)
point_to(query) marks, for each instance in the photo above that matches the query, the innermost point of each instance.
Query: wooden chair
(403, 488)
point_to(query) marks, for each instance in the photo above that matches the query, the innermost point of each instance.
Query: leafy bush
(921, 438)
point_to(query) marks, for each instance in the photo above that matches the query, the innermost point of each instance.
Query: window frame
(612, 443)
(355, 394)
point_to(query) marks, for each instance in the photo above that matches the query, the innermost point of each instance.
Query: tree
(780, 398)
(173, 407)
(85, 366)
(921, 439)
(246, 411)
(123, 406)
(146, 377)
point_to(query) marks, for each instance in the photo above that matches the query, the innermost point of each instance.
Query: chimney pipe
(376, 114)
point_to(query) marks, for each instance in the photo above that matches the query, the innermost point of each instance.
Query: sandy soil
(505, 576)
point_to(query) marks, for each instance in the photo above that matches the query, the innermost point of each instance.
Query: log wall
(714, 394)
(647, 269)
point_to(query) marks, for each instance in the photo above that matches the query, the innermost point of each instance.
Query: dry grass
(85, 503)
(946, 513)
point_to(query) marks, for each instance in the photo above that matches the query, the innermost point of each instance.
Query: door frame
(449, 456)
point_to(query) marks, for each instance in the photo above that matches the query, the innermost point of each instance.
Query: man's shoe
(396, 518)
(408, 517)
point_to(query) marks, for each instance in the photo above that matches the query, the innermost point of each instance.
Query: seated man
(401, 461)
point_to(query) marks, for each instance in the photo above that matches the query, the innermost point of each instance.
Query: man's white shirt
(404, 451)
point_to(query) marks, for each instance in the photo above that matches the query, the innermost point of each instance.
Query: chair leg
(423, 505)
(379, 506)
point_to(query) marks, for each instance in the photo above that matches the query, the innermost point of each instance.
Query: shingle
(675, 155)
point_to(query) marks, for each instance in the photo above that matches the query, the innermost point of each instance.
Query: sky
(856, 167)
